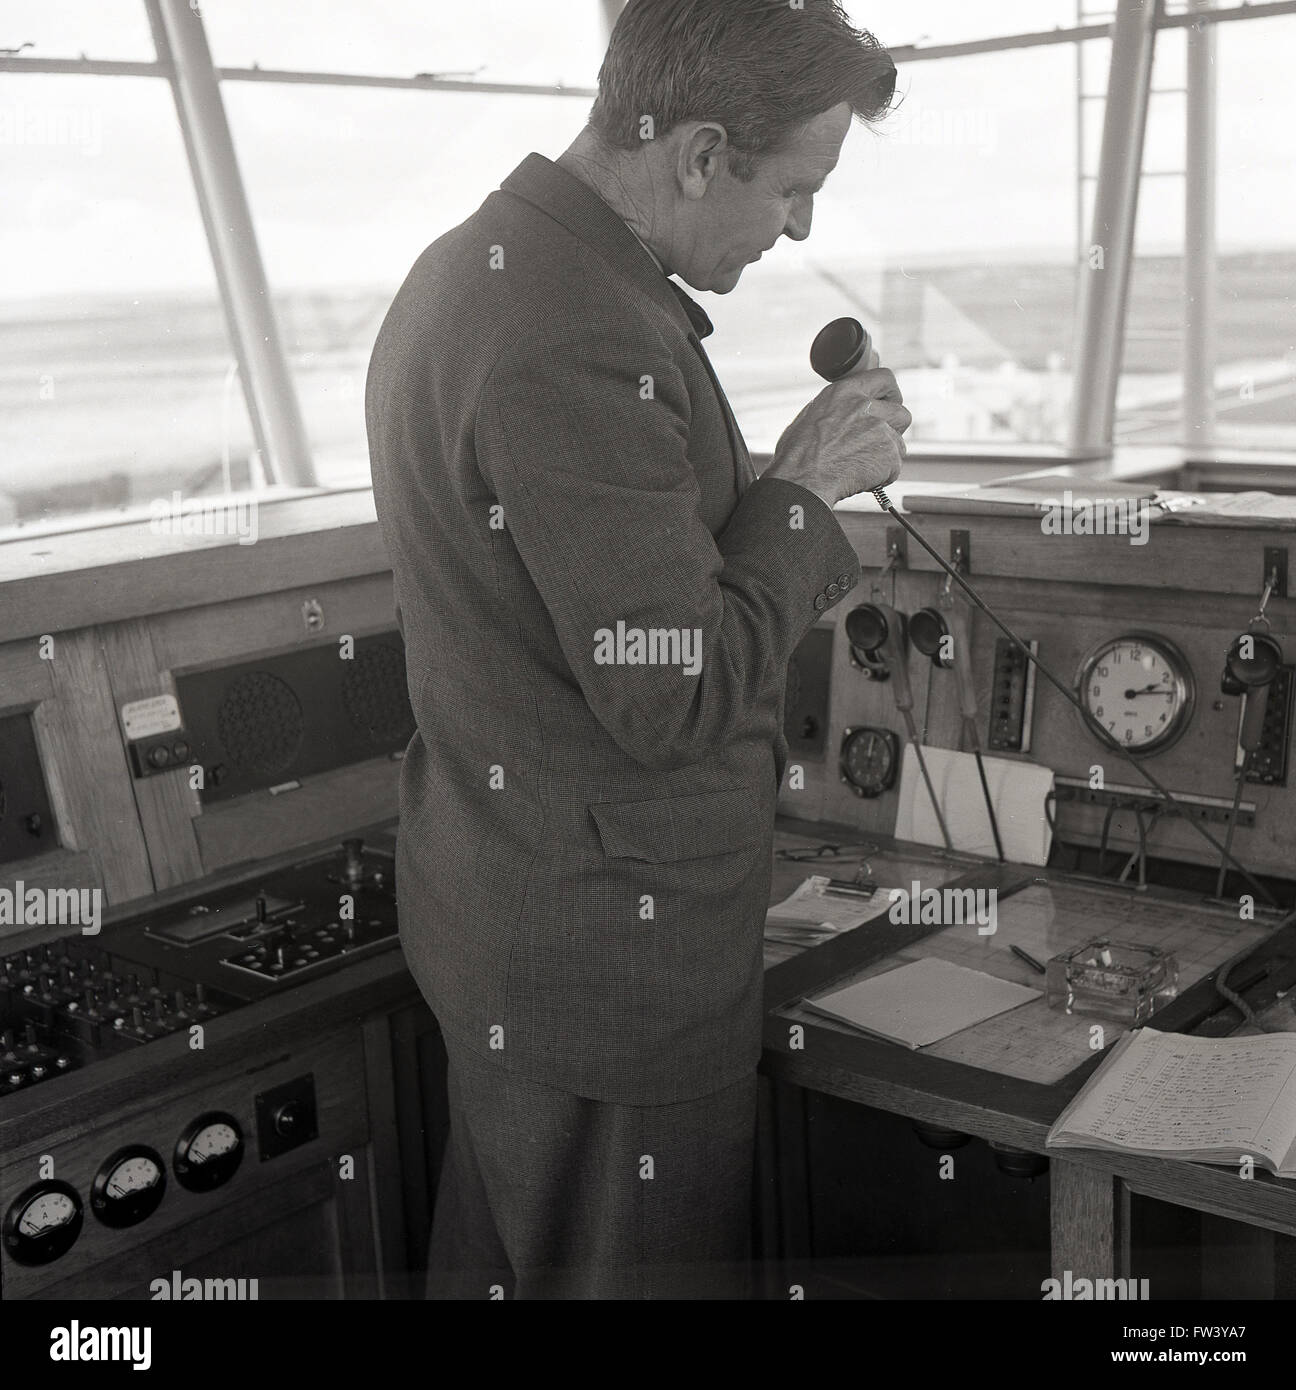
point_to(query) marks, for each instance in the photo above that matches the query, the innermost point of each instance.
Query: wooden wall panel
(165, 803)
(84, 764)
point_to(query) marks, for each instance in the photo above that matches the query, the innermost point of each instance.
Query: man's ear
(700, 157)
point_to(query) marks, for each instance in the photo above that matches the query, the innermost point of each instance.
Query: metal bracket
(897, 544)
(961, 551)
(1275, 560)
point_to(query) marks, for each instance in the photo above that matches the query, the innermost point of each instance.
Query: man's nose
(799, 219)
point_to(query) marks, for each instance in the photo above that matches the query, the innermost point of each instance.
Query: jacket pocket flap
(679, 827)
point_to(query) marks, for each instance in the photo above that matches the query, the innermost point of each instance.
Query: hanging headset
(1253, 659)
(837, 349)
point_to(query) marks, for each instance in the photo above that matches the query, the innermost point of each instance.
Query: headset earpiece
(867, 627)
(928, 631)
(1253, 660)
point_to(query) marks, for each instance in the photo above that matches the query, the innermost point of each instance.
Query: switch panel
(160, 753)
(1012, 698)
(286, 1117)
(1269, 762)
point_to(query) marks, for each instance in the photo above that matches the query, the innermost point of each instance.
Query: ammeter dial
(43, 1223)
(869, 760)
(1140, 689)
(128, 1187)
(209, 1152)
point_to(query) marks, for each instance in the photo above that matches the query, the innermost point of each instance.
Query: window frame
(183, 59)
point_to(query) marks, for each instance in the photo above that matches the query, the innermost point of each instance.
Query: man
(599, 601)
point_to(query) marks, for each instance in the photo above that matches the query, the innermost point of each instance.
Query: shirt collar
(657, 261)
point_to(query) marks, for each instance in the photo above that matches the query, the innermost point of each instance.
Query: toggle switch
(286, 1117)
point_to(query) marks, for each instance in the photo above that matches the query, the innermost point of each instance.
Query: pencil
(1029, 959)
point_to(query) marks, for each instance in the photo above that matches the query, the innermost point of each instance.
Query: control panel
(74, 1001)
(1162, 702)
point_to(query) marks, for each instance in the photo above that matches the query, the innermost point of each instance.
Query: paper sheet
(814, 911)
(1017, 792)
(921, 1003)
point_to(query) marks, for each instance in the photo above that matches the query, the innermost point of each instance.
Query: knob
(354, 863)
(290, 1119)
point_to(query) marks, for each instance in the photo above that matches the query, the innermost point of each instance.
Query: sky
(347, 185)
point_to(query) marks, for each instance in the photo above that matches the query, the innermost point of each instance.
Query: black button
(820, 603)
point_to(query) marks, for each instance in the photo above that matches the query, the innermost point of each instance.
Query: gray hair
(761, 68)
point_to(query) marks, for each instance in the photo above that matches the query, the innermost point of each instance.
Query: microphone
(838, 348)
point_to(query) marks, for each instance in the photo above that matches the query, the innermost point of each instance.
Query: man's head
(718, 120)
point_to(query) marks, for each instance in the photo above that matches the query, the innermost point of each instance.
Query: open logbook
(1168, 1095)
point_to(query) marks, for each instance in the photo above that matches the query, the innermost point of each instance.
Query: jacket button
(846, 582)
(820, 603)
(833, 591)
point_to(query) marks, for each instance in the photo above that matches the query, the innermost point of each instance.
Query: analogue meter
(43, 1222)
(209, 1152)
(869, 760)
(128, 1186)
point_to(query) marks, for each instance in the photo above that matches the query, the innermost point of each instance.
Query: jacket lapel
(569, 201)
(702, 327)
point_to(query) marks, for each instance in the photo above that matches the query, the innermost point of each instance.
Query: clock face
(1140, 689)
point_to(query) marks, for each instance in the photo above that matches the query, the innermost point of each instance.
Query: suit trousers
(546, 1194)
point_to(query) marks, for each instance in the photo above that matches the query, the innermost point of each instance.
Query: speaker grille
(273, 719)
(260, 724)
(374, 693)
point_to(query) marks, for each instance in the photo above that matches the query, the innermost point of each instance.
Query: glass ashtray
(1113, 980)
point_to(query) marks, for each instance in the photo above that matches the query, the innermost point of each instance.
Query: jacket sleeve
(585, 444)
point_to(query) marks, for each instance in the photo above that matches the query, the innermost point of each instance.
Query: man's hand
(849, 439)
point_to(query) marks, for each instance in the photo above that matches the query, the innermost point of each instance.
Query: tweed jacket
(599, 600)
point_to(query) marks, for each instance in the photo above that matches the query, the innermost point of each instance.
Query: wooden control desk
(1090, 1191)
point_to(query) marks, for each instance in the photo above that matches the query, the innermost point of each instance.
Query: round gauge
(209, 1152)
(1140, 689)
(42, 1223)
(869, 760)
(128, 1186)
